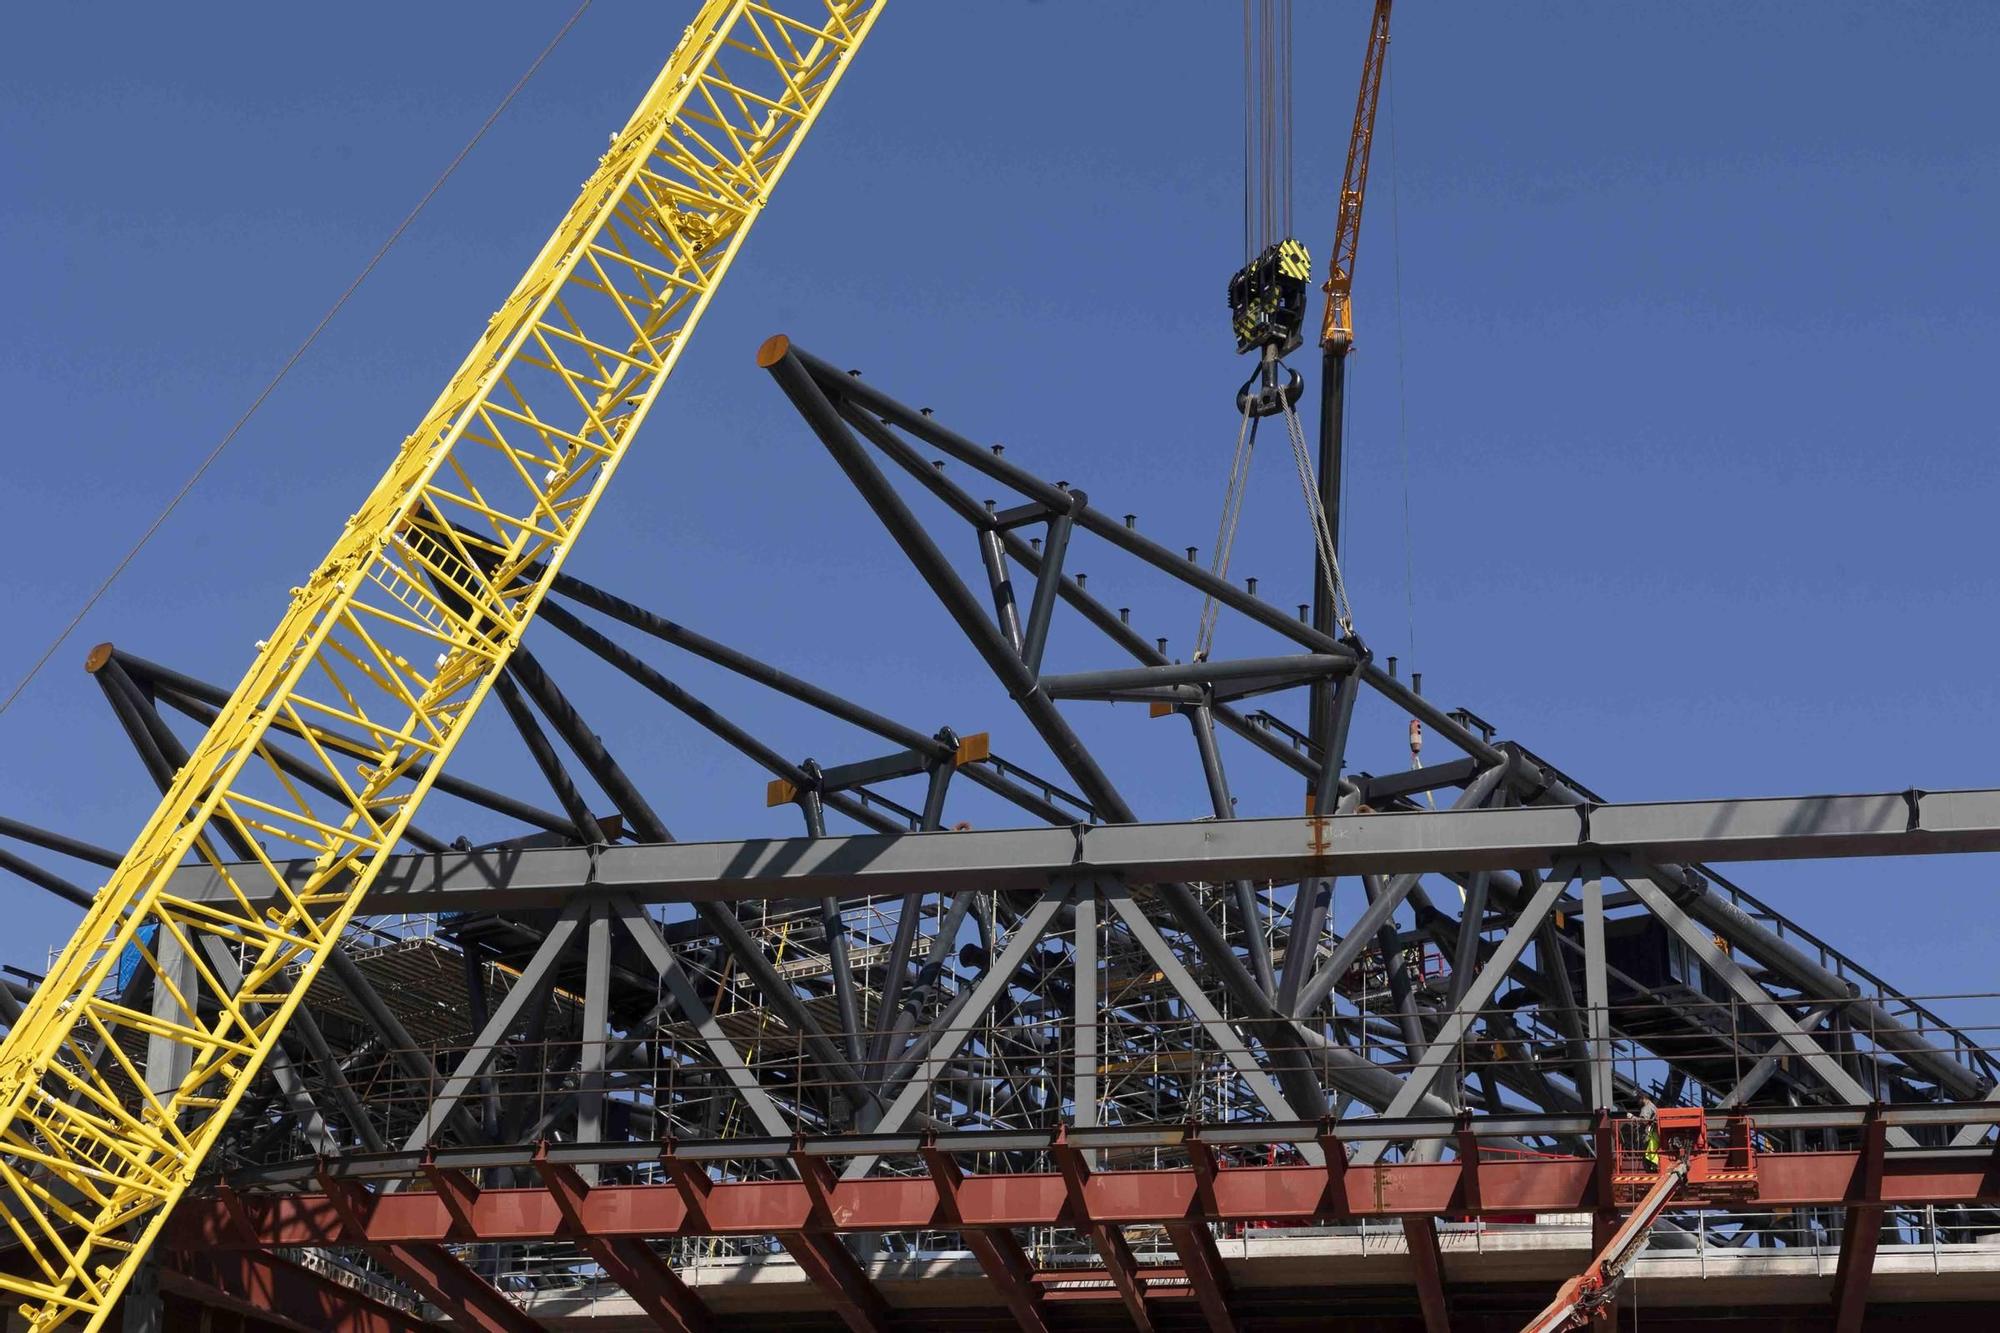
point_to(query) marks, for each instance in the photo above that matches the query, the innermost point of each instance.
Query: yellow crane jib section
(382, 658)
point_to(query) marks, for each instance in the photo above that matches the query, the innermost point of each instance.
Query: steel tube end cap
(773, 350)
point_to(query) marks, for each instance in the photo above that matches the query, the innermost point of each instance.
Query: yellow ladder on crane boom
(384, 655)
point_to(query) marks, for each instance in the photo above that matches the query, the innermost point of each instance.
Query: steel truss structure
(565, 1068)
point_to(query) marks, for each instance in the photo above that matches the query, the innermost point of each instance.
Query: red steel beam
(822, 1257)
(1195, 1245)
(840, 1278)
(274, 1288)
(1420, 1235)
(456, 1191)
(626, 1260)
(1285, 1195)
(1859, 1236)
(468, 1298)
(1000, 1256)
(1107, 1237)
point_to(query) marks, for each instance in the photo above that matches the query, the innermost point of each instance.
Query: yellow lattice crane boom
(383, 656)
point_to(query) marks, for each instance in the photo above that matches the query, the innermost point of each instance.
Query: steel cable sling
(385, 653)
(1232, 513)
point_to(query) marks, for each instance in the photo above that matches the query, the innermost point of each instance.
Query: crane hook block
(1267, 298)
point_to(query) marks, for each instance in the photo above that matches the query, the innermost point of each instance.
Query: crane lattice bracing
(382, 658)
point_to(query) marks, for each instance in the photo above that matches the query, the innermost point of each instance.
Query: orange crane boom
(1337, 329)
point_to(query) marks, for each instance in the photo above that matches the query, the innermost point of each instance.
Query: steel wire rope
(1343, 609)
(293, 360)
(1225, 537)
(1402, 395)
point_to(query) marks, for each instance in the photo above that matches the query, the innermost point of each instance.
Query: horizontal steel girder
(1759, 829)
(1278, 1194)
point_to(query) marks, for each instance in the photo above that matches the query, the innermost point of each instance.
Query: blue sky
(1692, 336)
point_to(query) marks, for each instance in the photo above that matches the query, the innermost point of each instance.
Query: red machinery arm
(1582, 1297)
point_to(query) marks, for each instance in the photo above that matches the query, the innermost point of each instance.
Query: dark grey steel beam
(955, 1026)
(1014, 547)
(547, 760)
(583, 742)
(1760, 1073)
(1377, 790)
(1048, 582)
(57, 842)
(1281, 671)
(1702, 944)
(832, 382)
(1006, 611)
(764, 674)
(1459, 1022)
(697, 712)
(496, 1035)
(1190, 994)
(178, 690)
(1248, 909)
(645, 933)
(74, 894)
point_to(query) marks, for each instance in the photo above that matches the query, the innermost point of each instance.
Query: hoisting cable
(1267, 302)
(270, 387)
(1225, 537)
(1329, 562)
(1402, 396)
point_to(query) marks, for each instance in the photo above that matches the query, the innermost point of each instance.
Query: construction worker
(1649, 1122)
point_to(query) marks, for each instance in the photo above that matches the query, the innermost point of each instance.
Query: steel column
(1048, 581)
(591, 1076)
(1201, 718)
(1421, 1238)
(1600, 1092)
(1085, 1011)
(1861, 1233)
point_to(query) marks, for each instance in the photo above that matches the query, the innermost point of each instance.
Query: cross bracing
(587, 1002)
